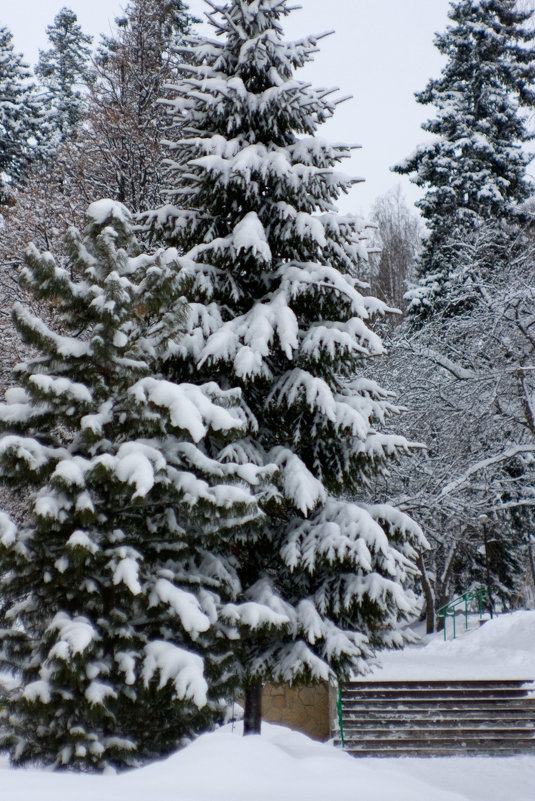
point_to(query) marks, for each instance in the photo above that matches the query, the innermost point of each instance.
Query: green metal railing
(340, 716)
(450, 609)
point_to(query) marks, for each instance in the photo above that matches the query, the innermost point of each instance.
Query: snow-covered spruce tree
(110, 582)
(126, 118)
(475, 168)
(21, 115)
(279, 314)
(65, 70)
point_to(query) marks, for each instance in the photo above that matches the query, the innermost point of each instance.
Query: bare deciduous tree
(468, 379)
(396, 238)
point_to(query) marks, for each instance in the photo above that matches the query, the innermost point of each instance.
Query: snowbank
(285, 766)
(501, 648)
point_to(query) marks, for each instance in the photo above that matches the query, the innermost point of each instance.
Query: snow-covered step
(449, 706)
(439, 718)
(437, 684)
(440, 735)
(411, 729)
(469, 702)
(427, 728)
(434, 751)
(448, 693)
(514, 708)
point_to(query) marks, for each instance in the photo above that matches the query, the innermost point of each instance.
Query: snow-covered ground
(282, 765)
(501, 648)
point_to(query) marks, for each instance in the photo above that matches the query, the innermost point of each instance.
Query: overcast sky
(381, 53)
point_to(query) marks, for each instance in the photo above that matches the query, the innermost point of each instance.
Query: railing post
(448, 610)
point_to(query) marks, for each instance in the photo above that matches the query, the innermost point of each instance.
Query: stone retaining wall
(309, 710)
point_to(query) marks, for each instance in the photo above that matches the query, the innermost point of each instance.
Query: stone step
(448, 718)
(429, 724)
(439, 693)
(382, 742)
(469, 702)
(446, 711)
(393, 716)
(426, 684)
(454, 734)
(426, 752)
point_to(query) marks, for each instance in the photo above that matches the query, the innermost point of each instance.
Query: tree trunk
(252, 718)
(429, 595)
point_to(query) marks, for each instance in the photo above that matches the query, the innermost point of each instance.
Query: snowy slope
(501, 648)
(287, 766)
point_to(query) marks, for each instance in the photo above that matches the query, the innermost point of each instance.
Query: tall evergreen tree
(112, 594)
(21, 115)
(475, 168)
(281, 315)
(65, 70)
(127, 117)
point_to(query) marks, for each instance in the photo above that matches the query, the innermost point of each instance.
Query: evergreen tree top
(65, 70)
(67, 61)
(475, 167)
(487, 48)
(163, 23)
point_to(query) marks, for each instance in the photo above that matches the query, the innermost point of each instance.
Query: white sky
(382, 52)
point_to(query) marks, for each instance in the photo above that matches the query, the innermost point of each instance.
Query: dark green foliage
(475, 168)
(111, 587)
(280, 313)
(65, 70)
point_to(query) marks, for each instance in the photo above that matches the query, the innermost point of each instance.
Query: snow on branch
(182, 668)
(191, 408)
(184, 604)
(8, 530)
(75, 635)
(299, 485)
(481, 465)
(438, 358)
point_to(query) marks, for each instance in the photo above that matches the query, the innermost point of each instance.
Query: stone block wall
(305, 709)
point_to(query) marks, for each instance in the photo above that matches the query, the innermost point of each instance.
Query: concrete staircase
(439, 718)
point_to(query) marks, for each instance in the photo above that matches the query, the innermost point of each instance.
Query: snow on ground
(501, 648)
(282, 765)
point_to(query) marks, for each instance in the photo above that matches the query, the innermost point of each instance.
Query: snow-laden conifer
(21, 114)
(65, 70)
(111, 583)
(474, 169)
(271, 267)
